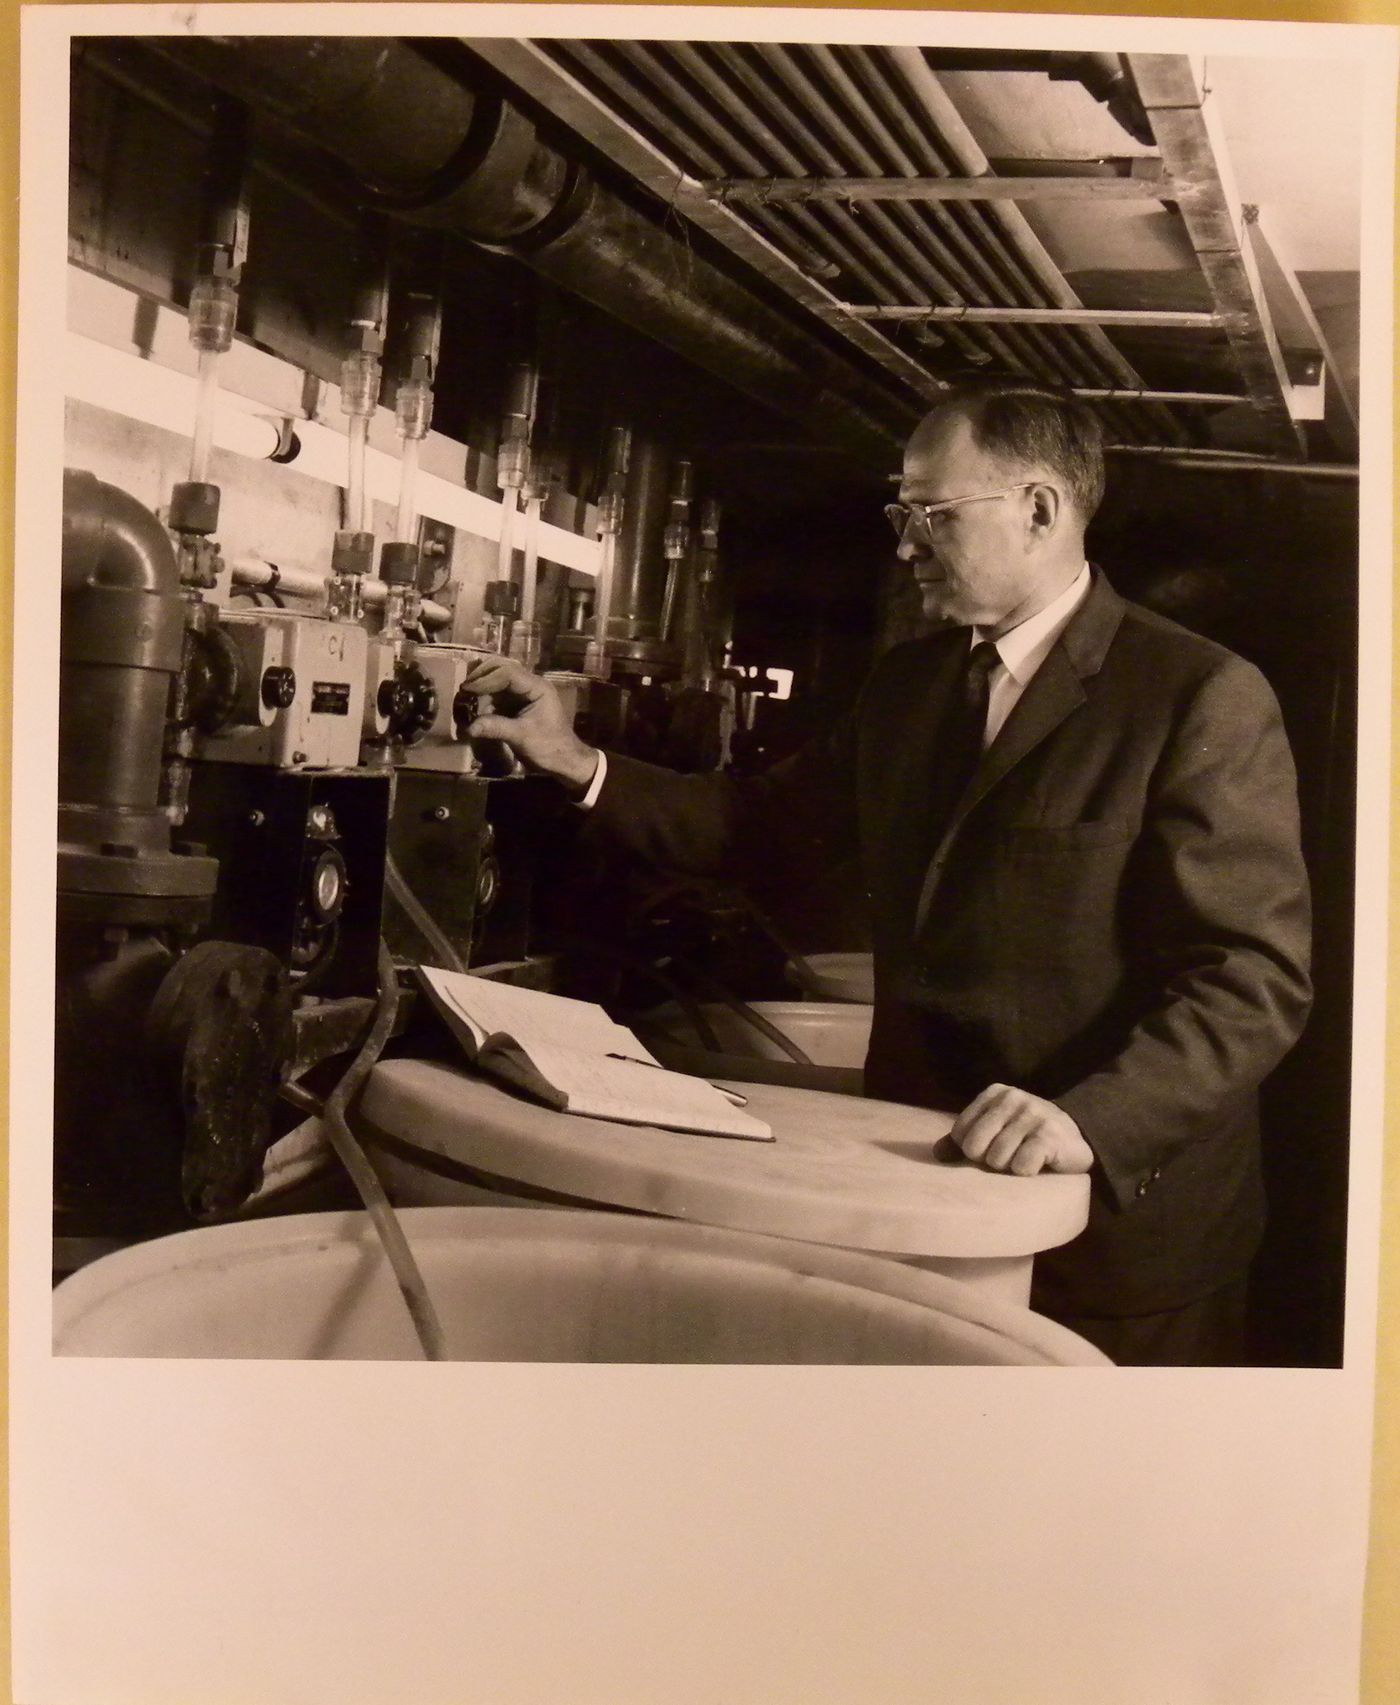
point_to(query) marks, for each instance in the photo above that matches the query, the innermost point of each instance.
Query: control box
(301, 692)
(443, 746)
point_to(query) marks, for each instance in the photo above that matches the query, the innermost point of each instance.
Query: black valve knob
(466, 707)
(279, 686)
(394, 700)
(409, 701)
(423, 704)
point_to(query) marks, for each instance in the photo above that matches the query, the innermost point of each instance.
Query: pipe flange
(131, 871)
(474, 190)
(185, 912)
(573, 204)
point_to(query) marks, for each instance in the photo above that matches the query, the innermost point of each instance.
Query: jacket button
(1144, 1185)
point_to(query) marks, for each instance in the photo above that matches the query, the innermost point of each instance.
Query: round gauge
(329, 881)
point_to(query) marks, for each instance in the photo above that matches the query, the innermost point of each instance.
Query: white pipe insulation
(302, 583)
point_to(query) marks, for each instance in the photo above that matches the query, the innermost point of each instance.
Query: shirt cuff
(595, 787)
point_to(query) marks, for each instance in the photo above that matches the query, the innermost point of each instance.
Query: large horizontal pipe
(933, 104)
(989, 188)
(422, 144)
(1234, 462)
(302, 583)
(1170, 319)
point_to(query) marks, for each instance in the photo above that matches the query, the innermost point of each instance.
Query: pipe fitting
(121, 647)
(111, 539)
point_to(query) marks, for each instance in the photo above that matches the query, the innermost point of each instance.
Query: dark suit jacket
(1117, 918)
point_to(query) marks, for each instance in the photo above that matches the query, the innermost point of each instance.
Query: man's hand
(534, 724)
(1011, 1130)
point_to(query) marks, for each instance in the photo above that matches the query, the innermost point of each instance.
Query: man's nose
(913, 546)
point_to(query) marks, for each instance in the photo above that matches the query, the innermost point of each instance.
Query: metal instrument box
(301, 692)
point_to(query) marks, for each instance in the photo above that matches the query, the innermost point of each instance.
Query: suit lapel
(912, 757)
(1053, 694)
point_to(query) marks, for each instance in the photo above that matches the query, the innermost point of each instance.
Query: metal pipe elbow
(111, 539)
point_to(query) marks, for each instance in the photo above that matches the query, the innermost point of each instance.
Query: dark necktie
(960, 737)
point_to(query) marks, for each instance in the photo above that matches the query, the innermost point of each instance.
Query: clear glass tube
(402, 605)
(506, 552)
(530, 548)
(359, 433)
(206, 398)
(407, 518)
(596, 661)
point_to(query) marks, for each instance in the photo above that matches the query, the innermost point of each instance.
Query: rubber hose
(366, 1180)
(747, 1013)
(419, 916)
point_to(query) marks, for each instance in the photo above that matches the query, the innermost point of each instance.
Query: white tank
(537, 1284)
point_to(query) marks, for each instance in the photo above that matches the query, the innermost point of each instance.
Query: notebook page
(637, 1094)
(531, 1016)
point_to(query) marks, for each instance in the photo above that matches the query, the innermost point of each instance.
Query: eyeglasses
(899, 515)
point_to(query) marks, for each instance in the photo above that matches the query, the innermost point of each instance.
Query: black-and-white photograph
(841, 558)
(708, 703)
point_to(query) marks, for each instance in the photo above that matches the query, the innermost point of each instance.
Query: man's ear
(1047, 506)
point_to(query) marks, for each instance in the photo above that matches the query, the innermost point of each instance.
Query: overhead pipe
(744, 76)
(1209, 460)
(1018, 349)
(968, 159)
(1103, 75)
(1002, 280)
(943, 237)
(1009, 280)
(424, 145)
(820, 249)
(721, 130)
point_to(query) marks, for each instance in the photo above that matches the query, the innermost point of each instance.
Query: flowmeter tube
(611, 509)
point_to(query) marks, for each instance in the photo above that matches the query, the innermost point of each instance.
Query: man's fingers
(501, 675)
(1016, 1128)
(494, 728)
(1032, 1156)
(978, 1123)
(1010, 1130)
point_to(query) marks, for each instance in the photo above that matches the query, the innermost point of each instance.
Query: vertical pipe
(355, 496)
(406, 521)
(530, 549)
(596, 658)
(505, 550)
(639, 566)
(206, 401)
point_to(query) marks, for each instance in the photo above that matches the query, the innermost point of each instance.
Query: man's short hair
(1037, 425)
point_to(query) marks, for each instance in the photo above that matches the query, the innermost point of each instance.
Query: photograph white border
(271, 1531)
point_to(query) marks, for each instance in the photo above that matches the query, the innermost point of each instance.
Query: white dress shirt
(595, 787)
(1023, 649)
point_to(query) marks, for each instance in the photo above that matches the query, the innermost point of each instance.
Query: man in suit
(1077, 824)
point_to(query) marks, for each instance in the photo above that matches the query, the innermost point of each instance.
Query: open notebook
(572, 1056)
